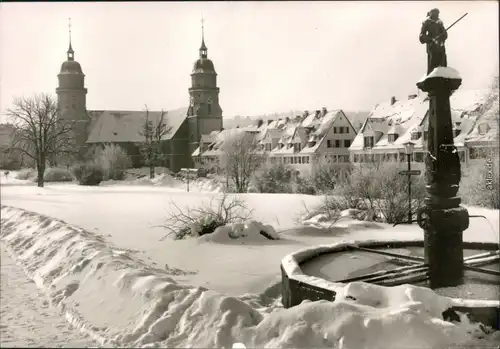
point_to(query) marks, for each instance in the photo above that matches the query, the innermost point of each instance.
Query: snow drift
(124, 302)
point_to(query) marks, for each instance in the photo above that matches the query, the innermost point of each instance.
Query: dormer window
(311, 143)
(416, 135)
(456, 132)
(483, 128)
(392, 137)
(368, 142)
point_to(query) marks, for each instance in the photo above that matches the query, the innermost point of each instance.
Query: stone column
(442, 218)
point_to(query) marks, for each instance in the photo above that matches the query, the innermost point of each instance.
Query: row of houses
(304, 141)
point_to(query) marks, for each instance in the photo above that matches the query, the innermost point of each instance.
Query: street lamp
(409, 146)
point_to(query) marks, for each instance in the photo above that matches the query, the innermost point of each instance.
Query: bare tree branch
(39, 132)
(153, 133)
(240, 158)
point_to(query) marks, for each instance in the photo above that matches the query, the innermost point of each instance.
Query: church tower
(204, 113)
(71, 95)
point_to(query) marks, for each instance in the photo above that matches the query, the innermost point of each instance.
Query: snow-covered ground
(144, 279)
(26, 317)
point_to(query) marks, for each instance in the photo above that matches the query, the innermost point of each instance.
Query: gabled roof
(125, 126)
(407, 115)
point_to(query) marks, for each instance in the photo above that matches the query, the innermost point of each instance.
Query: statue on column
(434, 34)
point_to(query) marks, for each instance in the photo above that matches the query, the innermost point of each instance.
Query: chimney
(317, 112)
(393, 100)
(324, 111)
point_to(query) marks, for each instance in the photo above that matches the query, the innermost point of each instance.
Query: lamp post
(409, 150)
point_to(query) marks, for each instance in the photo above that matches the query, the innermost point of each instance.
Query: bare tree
(240, 157)
(39, 133)
(153, 132)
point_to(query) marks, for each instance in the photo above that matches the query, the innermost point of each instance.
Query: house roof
(125, 126)
(406, 116)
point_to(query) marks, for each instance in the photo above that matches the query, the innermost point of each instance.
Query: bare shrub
(480, 184)
(379, 188)
(204, 219)
(57, 174)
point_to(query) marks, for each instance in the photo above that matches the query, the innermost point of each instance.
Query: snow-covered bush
(27, 174)
(10, 160)
(328, 173)
(379, 188)
(480, 183)
(274, 179)
(89, 173)
(204, 219)
(304, 186)
(57, 174)
(113, 161)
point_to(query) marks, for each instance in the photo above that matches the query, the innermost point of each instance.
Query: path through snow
(26, 317)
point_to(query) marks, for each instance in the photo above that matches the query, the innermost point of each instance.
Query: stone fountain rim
(290, 264)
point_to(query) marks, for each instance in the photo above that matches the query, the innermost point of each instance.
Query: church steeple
(203, 48)
(71, 53)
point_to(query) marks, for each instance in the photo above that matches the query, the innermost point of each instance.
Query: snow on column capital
(441, 78)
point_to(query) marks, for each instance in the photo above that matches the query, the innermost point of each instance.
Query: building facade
(93, 128)
(302, 143)
(393, 123)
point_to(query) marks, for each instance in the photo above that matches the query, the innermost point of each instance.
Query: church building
(185, 125)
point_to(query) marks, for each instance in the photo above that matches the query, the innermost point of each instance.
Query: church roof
(116, 126)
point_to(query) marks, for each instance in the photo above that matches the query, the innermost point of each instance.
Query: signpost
(189, 173)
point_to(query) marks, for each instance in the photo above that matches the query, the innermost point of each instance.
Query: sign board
(411, 172)
(189, 173)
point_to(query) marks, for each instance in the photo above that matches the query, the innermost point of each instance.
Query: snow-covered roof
(407, 116)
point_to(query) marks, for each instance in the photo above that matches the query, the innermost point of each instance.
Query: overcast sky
(269, 56)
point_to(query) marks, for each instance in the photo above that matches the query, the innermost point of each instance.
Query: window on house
(393, 137)
(337, 143)
(209, 109)
(297, 147)
(300, 160)
(419, 156)
(402, 157)
(461, 155)
(347, 130)
(329, 143)
(368, 142)
(456, 132)
(334, 129)
(341, 129)
(356, 158)
(416, 135)
(347, 143)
